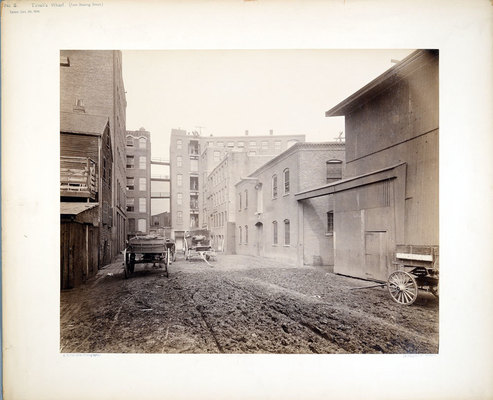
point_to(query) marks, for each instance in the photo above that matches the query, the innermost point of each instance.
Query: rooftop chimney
(79, 106)
(246, 133)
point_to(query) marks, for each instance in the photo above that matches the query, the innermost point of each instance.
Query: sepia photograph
(246, 199)
(249, 201)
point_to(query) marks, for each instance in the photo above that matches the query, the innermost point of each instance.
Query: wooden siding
(77, 145)
(79, 253)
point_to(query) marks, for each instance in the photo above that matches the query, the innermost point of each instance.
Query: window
(286, 233)
(130, 141)
(179, 161)
(246, 199)
(142, 204)
(252, 145)
(274, 232)
(217, 155)
(277, 146)
(194, 183)
(130, 204)
(130, 183)
(246, 234)
(241, 239)
(179, 144)
(142, 143)
(330, 222)
(286, 181)
(179, 180)
(239, 200)
(265, 145)
(179, 199)
(142, 184)
(241, 144)
(131, 225)
(142, 162)
(130, 161)
(334, 170)
(231, 144)
(142, 225)
(274, 187)
(194, 165)
(220, 144)
(179, 217)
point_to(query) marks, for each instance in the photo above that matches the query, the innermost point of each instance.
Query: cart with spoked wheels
(198, 245)
(416, 269)
(150, 249)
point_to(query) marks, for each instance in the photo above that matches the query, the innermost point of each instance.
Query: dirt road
(241, 305)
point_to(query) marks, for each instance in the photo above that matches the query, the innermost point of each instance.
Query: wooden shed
(79, 239)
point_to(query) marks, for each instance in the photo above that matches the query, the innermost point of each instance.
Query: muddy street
(240, 304)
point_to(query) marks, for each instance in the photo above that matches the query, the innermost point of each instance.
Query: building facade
(86, 163)
(271, 223)
(92, 79)
(193, 157)
(138, 181)
(220, 196)
(389, 194)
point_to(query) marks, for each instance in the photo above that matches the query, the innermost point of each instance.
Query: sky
(225, 92)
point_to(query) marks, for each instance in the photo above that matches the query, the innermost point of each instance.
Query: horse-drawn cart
(198, 245)
(148, 249)
(417, 269)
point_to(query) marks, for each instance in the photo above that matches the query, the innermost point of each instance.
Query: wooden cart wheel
(402, 287)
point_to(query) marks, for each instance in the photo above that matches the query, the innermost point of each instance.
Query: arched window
(287, 237)
(246, 234)
(334, 170)
(274, 186)
(274, 232)
(286, 180)
(246, 199)
(142, 143)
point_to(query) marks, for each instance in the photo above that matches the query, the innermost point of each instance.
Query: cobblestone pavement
(240, 304)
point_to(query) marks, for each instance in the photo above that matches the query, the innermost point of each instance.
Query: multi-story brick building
(93, 79)
(389, 194)
(138, 146)
(193, 156)
(220, 200)
(271, 223)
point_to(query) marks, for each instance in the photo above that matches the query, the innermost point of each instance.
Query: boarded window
(142, 184)
(142, 204)
(334, 170)
(142, 162)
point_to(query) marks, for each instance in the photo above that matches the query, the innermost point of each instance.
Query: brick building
(138, 166)
(193, 157)
(271, 223)
(219, 194)
(389, 194)
(93, 79)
